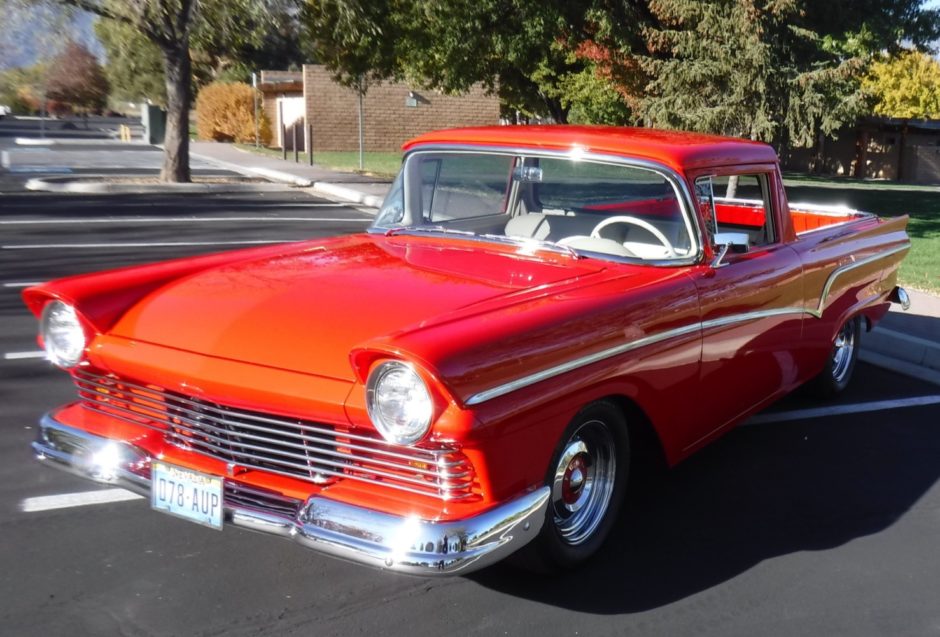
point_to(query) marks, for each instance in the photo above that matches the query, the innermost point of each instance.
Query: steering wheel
(653, 230)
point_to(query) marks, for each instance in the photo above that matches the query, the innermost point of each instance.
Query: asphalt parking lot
(804, 521)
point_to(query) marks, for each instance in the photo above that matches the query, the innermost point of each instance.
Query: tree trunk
(178, 71)
(558, 112)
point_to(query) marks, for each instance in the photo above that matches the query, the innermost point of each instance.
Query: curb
(347, 194)
(82, 185)
(899, 366)
(257, 171)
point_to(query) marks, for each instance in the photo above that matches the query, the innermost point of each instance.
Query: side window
(455, 186)
(738, 204)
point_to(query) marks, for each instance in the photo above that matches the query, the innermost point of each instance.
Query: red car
(533, 310)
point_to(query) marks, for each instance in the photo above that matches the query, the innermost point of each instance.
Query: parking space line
(18, 356)
(69, 500)
(143, 244)
(49, 222)
(840, 410)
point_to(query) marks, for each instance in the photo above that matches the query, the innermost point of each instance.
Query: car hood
(306, 308)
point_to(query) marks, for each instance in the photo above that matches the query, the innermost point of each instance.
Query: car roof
(680, 150)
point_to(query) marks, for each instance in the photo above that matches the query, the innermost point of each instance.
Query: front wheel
(588, 479)
(838, 372)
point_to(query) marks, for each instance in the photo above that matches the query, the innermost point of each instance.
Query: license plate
(185, 493)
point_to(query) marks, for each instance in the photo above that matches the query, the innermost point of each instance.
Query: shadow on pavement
(761, 492)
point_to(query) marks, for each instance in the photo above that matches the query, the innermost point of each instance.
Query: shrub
(226, 113)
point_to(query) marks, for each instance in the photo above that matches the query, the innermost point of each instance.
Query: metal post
(280, 112)
(293, 131)
(361, 143)
(310, 143)
(254, 86)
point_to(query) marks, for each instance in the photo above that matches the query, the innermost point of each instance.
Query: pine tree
(746, 68)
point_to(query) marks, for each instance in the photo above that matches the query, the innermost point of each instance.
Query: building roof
(675, 149)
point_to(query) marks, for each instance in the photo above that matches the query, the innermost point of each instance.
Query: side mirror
(725, 242)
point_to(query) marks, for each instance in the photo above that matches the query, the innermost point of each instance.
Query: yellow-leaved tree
(905, 86)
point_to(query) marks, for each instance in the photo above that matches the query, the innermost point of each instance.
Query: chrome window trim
(596, 357)
(577, 153)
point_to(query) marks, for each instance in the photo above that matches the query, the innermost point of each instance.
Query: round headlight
(62, 334)
(399, 402)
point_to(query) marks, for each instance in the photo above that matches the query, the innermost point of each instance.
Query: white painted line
(68, 500)
(22, 284)
(16, 356)
(37, 222)
(5, 159)
(34, 141)
(839, 410)
(155, 244)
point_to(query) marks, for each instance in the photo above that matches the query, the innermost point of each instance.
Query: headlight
(62, 334)
(399, 402)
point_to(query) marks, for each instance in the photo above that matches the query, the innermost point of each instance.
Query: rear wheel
(838, 372)
(588, 479)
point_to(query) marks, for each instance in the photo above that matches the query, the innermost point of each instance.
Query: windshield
(586, 207)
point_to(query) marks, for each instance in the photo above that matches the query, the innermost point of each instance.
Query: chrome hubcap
(842, 352)
(584, 482)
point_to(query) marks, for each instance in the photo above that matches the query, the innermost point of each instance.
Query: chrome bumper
(900, 296)
(402, 544)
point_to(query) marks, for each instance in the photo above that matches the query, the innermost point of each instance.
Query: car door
(751, 299)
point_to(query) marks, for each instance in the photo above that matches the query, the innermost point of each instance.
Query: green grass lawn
(921, 268)
(383, 164)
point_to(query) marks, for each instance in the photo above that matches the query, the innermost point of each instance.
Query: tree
(228, 42)
(865, 27)
(748, 68)
(905, 86)
(75, 78)
(232, 39)
(168, 25)
(522, 50)
(134, 66)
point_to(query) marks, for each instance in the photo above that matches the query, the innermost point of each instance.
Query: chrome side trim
(596, 357)
(408, 545)
(583, 361)
(842, 269)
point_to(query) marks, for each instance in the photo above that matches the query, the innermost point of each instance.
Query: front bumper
(406, 545)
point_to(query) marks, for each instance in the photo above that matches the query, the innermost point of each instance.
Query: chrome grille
(298, 448)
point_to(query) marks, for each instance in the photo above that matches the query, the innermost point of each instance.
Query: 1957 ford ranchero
(533, 310)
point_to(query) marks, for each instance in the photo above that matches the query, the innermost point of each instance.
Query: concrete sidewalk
(352, 187)
(908, 342)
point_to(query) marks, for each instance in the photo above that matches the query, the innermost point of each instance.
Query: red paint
(293, 330)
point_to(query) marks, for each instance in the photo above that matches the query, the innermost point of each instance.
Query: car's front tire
(588, 480)
(842, 358)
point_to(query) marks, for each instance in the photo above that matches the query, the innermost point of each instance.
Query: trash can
(153, 119)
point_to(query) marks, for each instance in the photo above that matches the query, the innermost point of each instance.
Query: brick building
(393, 112)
